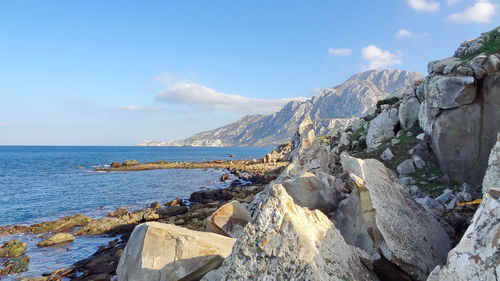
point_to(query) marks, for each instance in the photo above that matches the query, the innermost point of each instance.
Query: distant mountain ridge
(333, 109)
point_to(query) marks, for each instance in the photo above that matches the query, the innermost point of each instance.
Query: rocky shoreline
(192, 212)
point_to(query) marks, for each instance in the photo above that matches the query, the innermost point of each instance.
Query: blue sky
(118, 72)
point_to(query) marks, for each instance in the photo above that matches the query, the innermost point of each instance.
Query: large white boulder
(164, 252)
(289, 242)
(477, 256)
(381, 218)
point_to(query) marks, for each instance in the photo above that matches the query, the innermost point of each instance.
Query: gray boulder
(406, 167)
(408, 112)
(382, 127)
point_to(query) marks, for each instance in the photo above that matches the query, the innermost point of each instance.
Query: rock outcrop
(332, 109)
(289, 242)
(158, 251)
(477, 256)
(380, 217)
(56, 239)
(492, 176)
(461, 109)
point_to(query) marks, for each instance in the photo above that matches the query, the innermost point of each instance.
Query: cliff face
(332, 109)
(461, 107)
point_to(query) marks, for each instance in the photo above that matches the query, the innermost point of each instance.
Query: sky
(93, 72)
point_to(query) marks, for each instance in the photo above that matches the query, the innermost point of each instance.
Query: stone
(431, 205)
(172, 211)
(418, 162)
(408, 112)
(314, 191)
(406, 167)
(406, 241)
(118, 212)
(465, 71)
(421, 136)
(225, 177)
(492, 176)
(476, 257)
(344, 139)
(155, 205)
(289, 242)
(407, 180)
(158, 251)
(12, 248)
(445, 197)
(387, 155)
(382, 127)
(455, 91)
(452, 204)
(491, 64)
(477, 66)
(307, 154)
(462, 137)
(130, 162)
(15, 265)
(229, 220)
(56, 239)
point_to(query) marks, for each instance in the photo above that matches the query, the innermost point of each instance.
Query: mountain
(332, 109)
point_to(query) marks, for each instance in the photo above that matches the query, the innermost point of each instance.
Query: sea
(42, 183)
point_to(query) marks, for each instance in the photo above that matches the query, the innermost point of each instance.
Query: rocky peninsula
(410, 191)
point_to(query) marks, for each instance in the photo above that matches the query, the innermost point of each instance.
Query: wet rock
(62, 224)
(405, 240)
(157, 251)
(229, 220)
(172, 211)
(15, 265)
(12, 248)
(225, 177)
(130, 162)
(56, 239)
(289, 242)
(476, 257)
(118, 212)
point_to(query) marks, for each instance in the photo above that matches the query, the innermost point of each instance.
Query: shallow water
(45, 183)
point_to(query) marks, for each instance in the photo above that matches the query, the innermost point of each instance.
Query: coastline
(190, 212)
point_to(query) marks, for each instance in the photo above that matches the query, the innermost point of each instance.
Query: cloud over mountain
(202, 97)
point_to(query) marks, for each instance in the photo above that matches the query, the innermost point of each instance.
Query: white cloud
(452, 2)
(202, 97)
(339, 52)
(136, 108)
(378, 58)
(423, 5)
(4, 124)
(402, 33)
(481, 12)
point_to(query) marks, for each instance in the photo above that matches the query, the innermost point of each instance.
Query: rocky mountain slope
(332, 109)
(383, 199)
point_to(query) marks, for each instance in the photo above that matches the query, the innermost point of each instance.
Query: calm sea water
(41, 183)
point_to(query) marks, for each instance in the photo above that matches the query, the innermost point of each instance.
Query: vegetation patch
(492, 45)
